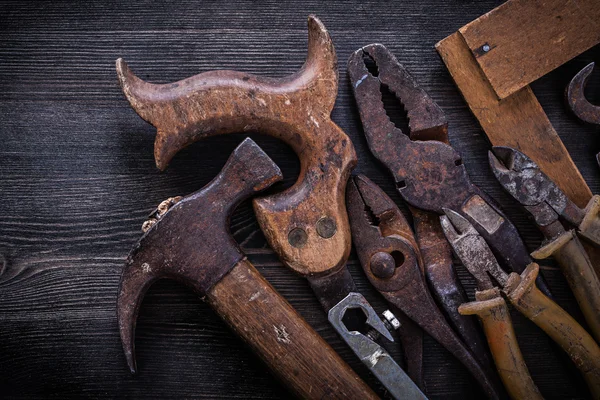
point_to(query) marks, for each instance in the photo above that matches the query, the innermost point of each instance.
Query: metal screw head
(326, 227)
(485, 47)
(383, 265)
(297, 237)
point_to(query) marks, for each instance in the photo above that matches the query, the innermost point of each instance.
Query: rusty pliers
(523, 294)
(522, 178)
(391, 259)
(428, 172)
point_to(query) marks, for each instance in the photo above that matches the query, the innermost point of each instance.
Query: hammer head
(191, 243)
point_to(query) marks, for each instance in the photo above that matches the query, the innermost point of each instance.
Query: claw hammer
(306, 224)
(191, 243)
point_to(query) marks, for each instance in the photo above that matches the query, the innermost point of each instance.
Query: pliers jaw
(472, 250)
(423, 164)
(426, 120)
(522, 178)
(381, 236)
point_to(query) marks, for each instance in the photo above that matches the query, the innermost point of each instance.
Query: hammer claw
(134, 285)
(198, 222)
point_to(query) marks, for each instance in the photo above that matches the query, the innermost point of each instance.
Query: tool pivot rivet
(383, 265)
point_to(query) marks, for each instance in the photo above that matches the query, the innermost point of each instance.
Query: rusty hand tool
(435, 178)
(307, 224)
(581, 107)
(390, 257)
(524, 295)
(429, 173)
(191, 243)
(522, 178)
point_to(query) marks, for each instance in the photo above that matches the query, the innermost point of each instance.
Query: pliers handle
(522, 292)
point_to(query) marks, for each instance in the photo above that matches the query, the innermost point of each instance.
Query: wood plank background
(77, 179)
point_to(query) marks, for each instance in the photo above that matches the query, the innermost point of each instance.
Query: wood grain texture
(77, 180)
(296, 354)
(527, 39)
(518, 121)
(295, 109)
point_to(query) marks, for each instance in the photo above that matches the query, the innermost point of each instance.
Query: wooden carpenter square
(522, 40)
(518, 121)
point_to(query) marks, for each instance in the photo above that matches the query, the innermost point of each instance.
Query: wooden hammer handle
(294, 352)
(558, 324)
(491, 308)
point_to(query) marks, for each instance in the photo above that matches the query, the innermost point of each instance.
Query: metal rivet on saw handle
(326, 227)
(297, 237)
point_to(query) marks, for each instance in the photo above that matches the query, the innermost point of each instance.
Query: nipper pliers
(552, 210)
(390, 257)
(523, 294)
(428, 172)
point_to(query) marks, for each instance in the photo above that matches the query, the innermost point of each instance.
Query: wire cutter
(428, 172)
(522, 178)
(391, 259)
(523, 294)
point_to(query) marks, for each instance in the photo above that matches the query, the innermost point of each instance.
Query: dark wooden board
(77, 180)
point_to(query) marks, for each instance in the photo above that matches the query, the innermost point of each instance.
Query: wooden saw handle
(491, 308)
(306, 224)
(294, 352)
(557, 323)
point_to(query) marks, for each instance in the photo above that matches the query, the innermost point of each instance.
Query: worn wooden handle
(491, 308)
(306, 224)
(296, 354)
(557, 323)
(579, 272)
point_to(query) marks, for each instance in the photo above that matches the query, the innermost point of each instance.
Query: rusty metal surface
(522, 292)
(332, 288)
(522, 178)
(379, 361)
(472, 250)
(182, 244)
(306, 224)
(378, 227)
(445, 285)
(575, 96)
(429, 174)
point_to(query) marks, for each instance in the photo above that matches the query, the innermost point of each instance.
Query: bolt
(326, 227)
(383, 265)
(297, 237)
(390, 322)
